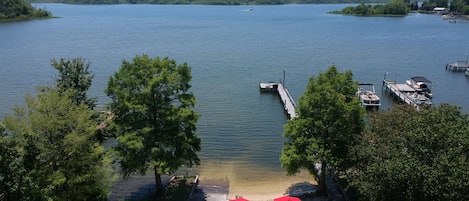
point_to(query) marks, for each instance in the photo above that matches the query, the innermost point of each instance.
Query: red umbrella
(239, 199)
(287, 198)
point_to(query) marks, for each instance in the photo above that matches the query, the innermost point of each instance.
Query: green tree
(11, 171)
(50, 152)
(20, 10)
(329, 122)
(439, 3)
(397, 7)
(75, 76)
(413, 155)
(155, 121)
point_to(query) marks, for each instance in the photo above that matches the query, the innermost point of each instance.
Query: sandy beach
(254, 183)
(224, 181)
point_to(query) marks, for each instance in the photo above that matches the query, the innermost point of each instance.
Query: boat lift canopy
(420, 79)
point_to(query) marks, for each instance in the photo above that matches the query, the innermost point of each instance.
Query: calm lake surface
(230, 51)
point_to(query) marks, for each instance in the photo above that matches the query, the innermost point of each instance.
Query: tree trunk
(322, 188)
(159, 185)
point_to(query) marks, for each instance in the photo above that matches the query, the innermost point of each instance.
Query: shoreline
(223, 182)
(255, 183)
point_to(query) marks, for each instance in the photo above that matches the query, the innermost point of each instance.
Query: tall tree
(155, 121)
(51, 153)
(329, 122)
(413, 155)
(74, 75)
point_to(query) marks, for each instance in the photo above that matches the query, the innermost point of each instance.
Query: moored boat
(419, 98)
(421, 85)
(367, 95)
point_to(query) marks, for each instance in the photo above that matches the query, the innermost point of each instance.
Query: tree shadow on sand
(144, 193)
(137, 187)
(303, 189)
(212, 190)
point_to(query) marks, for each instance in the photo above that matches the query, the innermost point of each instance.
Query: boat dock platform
(459, 66)
(287, 99)
(405, 94)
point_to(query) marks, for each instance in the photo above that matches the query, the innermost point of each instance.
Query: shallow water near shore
(230, 52)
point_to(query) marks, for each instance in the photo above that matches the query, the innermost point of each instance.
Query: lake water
(230, 51)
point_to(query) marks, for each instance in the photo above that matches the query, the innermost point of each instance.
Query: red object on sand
(287, 198)
(239, 199)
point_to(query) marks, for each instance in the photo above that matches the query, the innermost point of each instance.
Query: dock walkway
(287, 99)
(403, 93)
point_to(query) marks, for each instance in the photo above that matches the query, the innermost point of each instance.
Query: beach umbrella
(239, 199)
(287, 198)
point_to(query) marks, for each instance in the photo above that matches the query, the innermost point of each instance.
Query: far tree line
(52, 148)
(457, 6)
(205, 2)
(23, 10)
(403, 7)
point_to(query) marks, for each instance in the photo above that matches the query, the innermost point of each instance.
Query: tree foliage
(460, 6)
(394, 8)
(413, 155)
(329, 122)
(431, 4)
(20, 10)
(74, 76)
(155, 121)
(48, 152)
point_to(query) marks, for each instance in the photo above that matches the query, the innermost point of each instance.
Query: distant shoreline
(27, 19)
(206, 2)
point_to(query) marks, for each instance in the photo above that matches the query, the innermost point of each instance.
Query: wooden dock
(459, 66)
(405, 94)
(288, 102)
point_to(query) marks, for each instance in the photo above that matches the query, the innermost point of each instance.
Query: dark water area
(230, 51)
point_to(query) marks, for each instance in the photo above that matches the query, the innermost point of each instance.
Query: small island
(18, 10)
(399, 8)
(394, 8)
